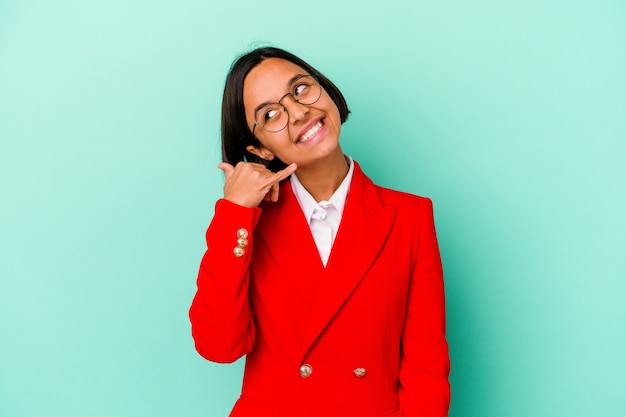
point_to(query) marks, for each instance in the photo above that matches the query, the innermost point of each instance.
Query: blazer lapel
(364, 228)
(285, 232)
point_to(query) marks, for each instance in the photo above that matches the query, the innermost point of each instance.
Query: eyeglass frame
(314, 76)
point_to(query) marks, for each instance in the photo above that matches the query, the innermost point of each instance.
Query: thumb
(227, 168)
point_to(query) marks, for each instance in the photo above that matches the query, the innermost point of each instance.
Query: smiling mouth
(309, 134)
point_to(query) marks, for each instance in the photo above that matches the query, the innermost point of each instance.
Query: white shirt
(323, 217)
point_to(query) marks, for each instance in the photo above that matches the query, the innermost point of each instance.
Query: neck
(322, 180)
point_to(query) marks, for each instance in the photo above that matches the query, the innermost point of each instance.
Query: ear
(262, 152)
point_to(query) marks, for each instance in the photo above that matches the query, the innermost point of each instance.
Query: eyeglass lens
(274, 117)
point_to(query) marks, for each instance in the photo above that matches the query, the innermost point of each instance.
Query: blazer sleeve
(222, 320)
(424, 390)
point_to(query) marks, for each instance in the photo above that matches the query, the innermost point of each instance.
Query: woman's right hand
(248, 183)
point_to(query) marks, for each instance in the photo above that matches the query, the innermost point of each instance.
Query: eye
(300, 88)
(269, 113)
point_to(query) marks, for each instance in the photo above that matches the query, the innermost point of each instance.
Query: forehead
(269, 80)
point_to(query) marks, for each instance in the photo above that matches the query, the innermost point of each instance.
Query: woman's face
(312, 133)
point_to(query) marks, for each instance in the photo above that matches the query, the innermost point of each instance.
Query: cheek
(333, 111)
(335, 118)
(276, 142)
(337, 115)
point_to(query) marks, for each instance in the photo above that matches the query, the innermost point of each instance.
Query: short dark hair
(236, 135)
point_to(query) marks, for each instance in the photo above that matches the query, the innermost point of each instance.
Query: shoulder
(394, 196)
(410, 208)
(402, 200)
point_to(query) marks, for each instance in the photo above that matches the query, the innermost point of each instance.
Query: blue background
(511, 116)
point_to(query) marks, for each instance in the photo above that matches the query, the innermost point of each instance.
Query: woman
(331, 285)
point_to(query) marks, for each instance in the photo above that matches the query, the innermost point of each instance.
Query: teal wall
(510, 115)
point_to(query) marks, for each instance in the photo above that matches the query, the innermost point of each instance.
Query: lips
(311, 132)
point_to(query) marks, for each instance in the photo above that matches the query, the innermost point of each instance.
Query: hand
(247, 184)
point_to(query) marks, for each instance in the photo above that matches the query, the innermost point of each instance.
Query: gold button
(242, 233)
(306, 370)
(238, 252)
(359, 372)
(242, 242)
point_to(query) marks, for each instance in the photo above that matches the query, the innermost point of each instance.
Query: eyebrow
(289, 83)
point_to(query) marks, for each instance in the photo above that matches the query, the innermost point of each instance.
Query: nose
(296, 111)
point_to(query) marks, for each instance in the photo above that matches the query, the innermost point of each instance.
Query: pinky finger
(274, 192)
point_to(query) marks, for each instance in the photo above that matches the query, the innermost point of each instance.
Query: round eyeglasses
(273, 117)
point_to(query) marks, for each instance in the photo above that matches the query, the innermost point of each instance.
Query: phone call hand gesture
(248, 183)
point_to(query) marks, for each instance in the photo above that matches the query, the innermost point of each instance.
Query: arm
(222, 319)
(424, 390)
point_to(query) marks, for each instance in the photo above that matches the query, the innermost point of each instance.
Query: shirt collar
(337, 200)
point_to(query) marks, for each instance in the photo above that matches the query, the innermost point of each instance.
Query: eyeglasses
(273, 117)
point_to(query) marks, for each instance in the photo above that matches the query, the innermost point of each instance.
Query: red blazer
(363, 337)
